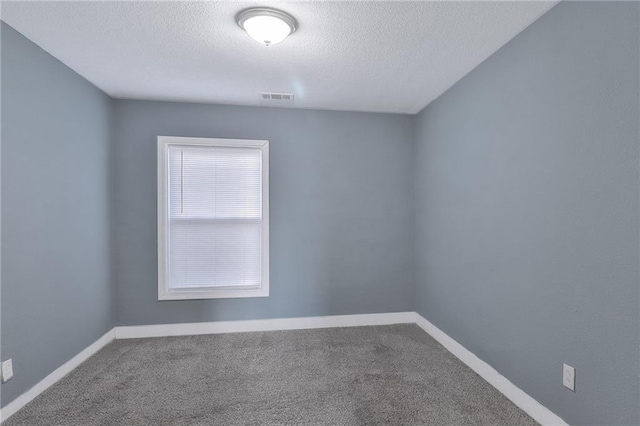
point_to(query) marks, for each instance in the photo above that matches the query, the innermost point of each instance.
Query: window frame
(164, 292)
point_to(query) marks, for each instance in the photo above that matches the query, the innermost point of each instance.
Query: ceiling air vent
(276, 96)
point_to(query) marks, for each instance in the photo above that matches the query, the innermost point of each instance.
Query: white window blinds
(214, 222)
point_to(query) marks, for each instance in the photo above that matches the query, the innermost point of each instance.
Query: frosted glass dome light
(265, 25)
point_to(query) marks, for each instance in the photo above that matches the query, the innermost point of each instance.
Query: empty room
(319, 213)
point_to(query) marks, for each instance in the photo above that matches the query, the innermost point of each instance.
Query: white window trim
(164, 293)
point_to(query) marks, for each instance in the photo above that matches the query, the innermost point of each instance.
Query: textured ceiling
(359, 55)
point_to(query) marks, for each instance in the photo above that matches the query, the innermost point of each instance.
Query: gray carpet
(387, 375)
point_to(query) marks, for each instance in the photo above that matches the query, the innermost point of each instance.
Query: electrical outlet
(7, 370)
(569, 377)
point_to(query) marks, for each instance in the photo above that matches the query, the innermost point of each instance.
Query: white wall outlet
(7, 370)
(569, 377)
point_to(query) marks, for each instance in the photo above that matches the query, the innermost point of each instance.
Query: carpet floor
(382, 375)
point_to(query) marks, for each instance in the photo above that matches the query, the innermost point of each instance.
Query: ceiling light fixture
(265, 25)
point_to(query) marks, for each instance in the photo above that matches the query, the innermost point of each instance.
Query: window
(213, 218)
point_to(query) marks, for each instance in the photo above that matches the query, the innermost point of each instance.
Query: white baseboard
(526, 403)
(218, 327)
(15, 405)
(537, 411)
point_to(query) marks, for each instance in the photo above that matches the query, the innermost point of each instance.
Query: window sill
(212, 294)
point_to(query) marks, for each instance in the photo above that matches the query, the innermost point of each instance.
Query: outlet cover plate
(7, 370)
(569, 377)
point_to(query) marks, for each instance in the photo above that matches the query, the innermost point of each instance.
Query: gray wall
(56, 295)
(527, 211)
(341, 218)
